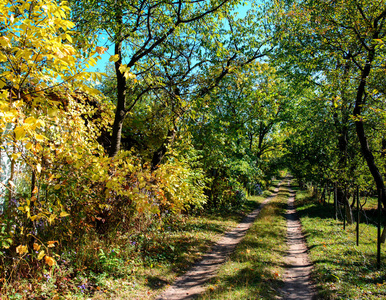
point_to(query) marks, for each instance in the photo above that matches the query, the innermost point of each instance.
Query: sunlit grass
(342, 270)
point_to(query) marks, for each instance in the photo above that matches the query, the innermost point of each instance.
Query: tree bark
(360, 129)
(348, 210)
(120, 112)
(161, 151)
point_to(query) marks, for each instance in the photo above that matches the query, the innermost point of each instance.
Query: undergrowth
(127, 263)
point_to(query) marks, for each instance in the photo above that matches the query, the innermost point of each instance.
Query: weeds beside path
(141, 266)
(162, 254)
(342, 270)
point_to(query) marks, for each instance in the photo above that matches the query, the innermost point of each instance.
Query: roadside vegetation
(134, 265)
(342, 270)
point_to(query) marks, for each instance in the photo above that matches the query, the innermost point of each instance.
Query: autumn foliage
(57, 182)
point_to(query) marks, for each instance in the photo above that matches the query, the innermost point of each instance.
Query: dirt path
(297, 280)
(191, 284)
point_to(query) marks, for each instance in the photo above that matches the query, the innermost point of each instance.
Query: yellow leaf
(5, 42)
(15, 156)
(40, 123)
(52, 218)
(19, 132)
(69, 38)
(21, 249)
(30, 120)
(41, 255)
(64, 214)
(35, 190)
(39, 168)
(114, 58)
(123, 68)
(100, 50)
(38, 147)
(38, 57)
(51, 244)
(28, 146)
(3, 57)
(33, 218)
(69, 50)
(36, 247)
(40, 137)
(52, 112)
(49, 260)
(128, 75)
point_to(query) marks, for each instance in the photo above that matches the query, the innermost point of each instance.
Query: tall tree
(140, 32)
(341, 41)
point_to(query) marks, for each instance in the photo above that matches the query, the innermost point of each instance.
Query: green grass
(342, 270)
(255, 269)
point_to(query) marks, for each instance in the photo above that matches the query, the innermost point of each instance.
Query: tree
(166, 49)
(235, 129)
(341, 41)
(40, 74)
(145, 29)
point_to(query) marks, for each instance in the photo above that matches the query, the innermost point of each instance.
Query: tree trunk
(323, 196)
(8, 199)
(348, 210)
(360, 130)
(120, 112)
(342, 198)
(161, 151)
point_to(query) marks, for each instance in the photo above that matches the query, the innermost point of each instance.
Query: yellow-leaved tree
(45, 119)
(57, 181)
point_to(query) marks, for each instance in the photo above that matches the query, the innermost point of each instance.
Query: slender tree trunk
(360, 129)
(348, 210)
(7, 204)
(161, 151)
(323, 196)
(120, 112)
